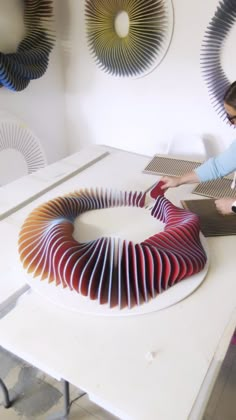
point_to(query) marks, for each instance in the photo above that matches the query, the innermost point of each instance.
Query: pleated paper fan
(213, 44)
(31, 58)
(144, 42)
(18, 139)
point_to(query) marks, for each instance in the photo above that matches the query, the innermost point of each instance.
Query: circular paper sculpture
(145, 42)
(119, 273)
(17, 136)
(31, 59)
(213, 42)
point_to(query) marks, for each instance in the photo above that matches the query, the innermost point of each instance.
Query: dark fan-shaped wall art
(212, 70)
(31, 58)
(142, 48)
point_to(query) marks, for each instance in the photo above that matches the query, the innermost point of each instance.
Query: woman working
(217, 167)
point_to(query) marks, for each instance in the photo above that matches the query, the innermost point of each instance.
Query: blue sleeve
(217, 167)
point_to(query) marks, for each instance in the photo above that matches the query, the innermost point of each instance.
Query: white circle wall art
(30, 61)
(211, 53)
(109, 275)
(21, 152)
(129, 38)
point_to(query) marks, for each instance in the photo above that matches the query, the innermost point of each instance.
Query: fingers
(164, 186)
(224, 205)
(166, 182)
(218, 207)
(169, 182)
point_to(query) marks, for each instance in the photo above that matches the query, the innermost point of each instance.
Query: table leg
(6, 399)
(66, 395)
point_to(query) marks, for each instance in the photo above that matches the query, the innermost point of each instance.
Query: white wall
(143, 115)
(41, 105)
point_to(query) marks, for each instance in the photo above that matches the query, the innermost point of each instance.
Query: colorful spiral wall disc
(211, 53)
(110, 272)
(141, 42)
(17, 136)
(30, 61)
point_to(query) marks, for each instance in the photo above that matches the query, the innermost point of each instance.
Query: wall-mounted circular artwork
(21, 152)
(211, 53)
(129, 38)
(30, 61)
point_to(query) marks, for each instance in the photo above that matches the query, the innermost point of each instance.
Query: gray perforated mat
(216, 189)
(170, 166)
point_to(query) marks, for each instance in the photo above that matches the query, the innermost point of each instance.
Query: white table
(17, 195)
(106, 356)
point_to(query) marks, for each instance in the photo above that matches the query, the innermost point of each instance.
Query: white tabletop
(27, 189)
(107, 356)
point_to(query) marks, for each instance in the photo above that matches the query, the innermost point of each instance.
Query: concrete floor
(38, 396)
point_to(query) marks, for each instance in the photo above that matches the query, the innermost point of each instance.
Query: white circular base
(100, 222)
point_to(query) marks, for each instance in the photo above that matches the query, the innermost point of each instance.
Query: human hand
(224, 205)
(170, 182)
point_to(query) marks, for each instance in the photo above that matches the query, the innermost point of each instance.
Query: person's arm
(213, 168)
(219, 166)
(171, 181)
(224, 205)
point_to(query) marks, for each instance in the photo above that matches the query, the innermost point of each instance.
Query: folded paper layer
(110, 270)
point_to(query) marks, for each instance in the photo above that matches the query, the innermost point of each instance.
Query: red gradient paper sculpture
(113, 271)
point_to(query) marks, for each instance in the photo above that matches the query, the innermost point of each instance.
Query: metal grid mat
(218, 188)
(170, 166)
